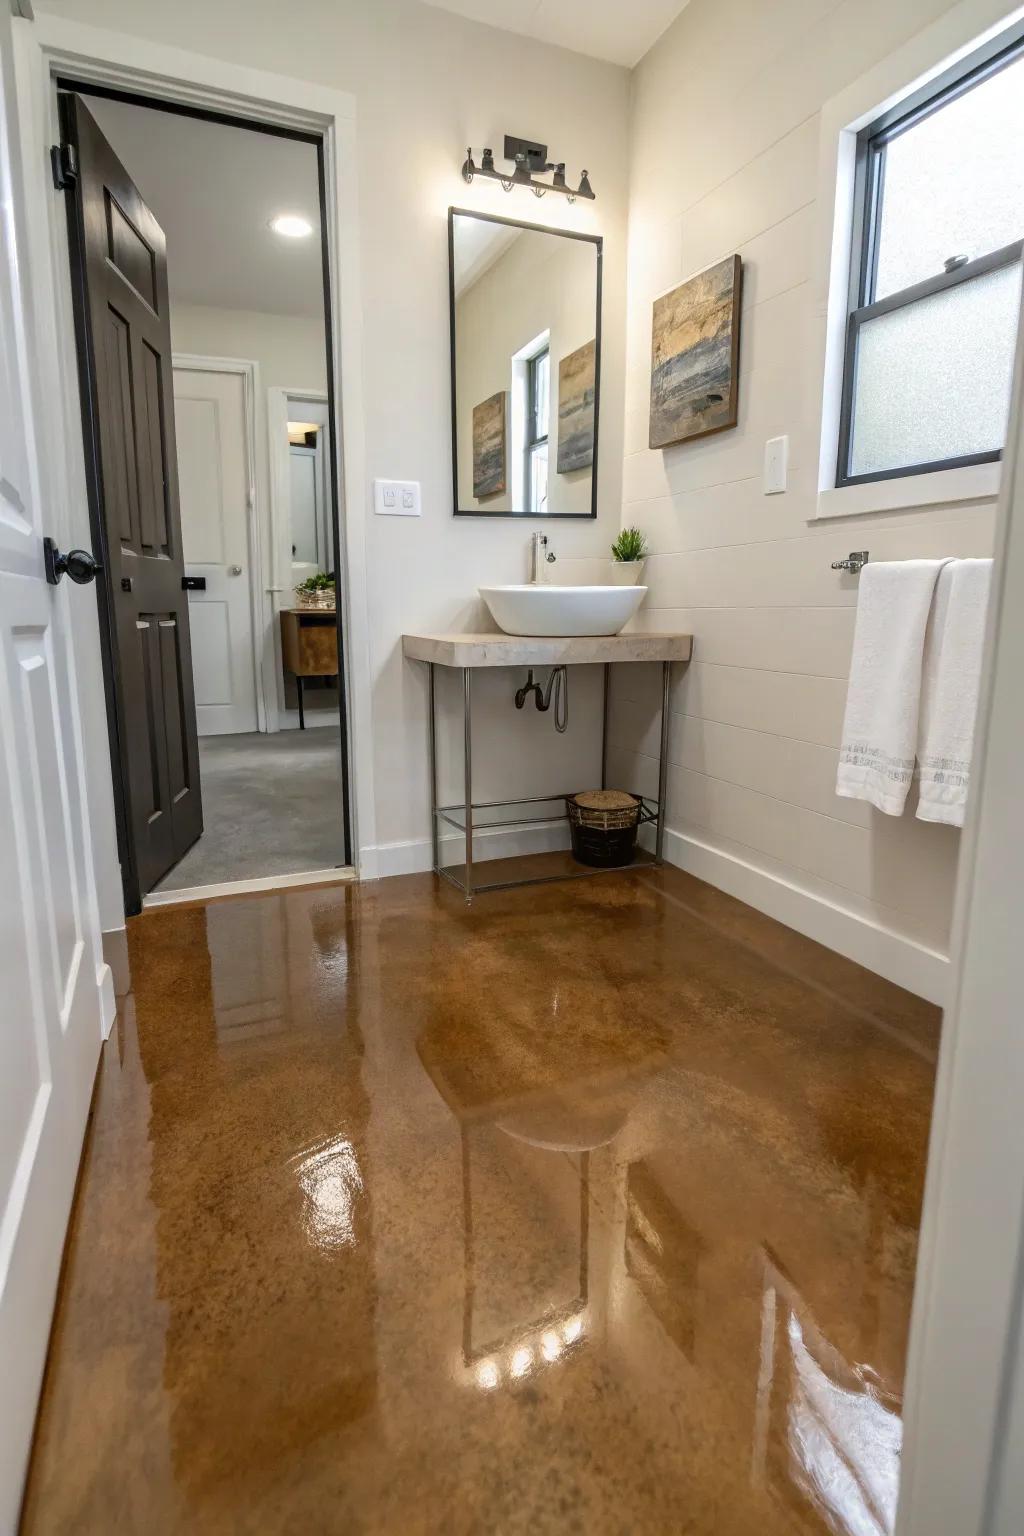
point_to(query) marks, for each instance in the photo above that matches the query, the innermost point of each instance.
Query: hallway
(593, 1207)
(272, 805)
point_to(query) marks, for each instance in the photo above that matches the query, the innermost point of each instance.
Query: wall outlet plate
(396, 498)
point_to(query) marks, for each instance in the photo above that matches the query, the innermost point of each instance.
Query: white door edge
(965, 1375)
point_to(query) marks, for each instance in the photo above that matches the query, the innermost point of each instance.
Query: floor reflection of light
(846, 1444)
(521, 1361)
(329, 1176)
(487, 1375)
(533, 1351)
(573, 1329)
(551, 1346)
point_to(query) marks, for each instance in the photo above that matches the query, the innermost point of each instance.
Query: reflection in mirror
(309, 494)
(526, 329)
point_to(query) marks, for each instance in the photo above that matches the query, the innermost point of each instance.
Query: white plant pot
(627, 573)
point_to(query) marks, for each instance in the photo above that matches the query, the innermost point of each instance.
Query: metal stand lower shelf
(652, 811)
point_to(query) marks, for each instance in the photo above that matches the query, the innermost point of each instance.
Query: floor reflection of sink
(541, 610)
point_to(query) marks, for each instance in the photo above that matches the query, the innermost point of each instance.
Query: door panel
(51, 971)
(119, 272)
(213, 474)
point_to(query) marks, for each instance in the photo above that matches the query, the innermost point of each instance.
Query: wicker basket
(603, 825)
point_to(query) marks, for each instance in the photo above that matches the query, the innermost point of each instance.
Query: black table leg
(302, 712)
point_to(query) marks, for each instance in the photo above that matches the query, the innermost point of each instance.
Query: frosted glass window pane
(954, 183)
(933, 380)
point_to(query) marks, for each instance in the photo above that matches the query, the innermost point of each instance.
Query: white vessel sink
(542, 610)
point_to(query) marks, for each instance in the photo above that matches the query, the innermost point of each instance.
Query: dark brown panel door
(119, 272)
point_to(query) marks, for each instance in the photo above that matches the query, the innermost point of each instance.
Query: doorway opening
(199, 261)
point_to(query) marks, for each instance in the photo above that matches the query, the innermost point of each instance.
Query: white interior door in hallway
(216, 491)
(56, 990)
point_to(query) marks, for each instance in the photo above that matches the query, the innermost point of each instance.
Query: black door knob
(79, 564)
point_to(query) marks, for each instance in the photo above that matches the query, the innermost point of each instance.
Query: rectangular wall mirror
(526, 367)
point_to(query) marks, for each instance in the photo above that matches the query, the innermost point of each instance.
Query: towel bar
(855, 562)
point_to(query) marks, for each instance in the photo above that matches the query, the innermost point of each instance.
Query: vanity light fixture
(292, 226)
(531, 160)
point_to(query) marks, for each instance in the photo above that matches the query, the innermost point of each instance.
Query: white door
(51, 973)
(215, 491)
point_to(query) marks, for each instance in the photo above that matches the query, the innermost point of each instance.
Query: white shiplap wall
(726, 145)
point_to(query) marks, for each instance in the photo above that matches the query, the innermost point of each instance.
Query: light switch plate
(776, 465)
(397, 498)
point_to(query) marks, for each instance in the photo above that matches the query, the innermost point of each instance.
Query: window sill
(971, 482)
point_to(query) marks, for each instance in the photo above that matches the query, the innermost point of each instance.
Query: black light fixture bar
(529, 159)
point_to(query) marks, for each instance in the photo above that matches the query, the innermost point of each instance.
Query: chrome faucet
(538, 558)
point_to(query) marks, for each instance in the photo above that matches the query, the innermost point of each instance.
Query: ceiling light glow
(292, 226)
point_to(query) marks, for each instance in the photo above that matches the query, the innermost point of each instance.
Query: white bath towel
(879, 741)
(949, 693)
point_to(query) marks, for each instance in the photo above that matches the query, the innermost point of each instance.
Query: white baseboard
(922, 971)
(413, 857)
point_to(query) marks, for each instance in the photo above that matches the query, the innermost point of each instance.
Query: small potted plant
(316, 591)
(629, 555)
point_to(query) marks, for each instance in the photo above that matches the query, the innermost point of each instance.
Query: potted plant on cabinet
(316, 591)
(629, 556)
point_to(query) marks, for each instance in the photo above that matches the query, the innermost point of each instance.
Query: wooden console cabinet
(309, 646)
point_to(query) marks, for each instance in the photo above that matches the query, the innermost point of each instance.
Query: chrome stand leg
(432, 737)
(467, 769)
(666, 679)
(604, 728)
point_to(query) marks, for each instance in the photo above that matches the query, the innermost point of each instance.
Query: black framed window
(935, 274)
(538, 404)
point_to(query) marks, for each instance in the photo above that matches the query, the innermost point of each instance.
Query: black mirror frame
(543, 229)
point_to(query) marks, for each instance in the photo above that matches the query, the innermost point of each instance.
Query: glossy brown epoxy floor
(590, 1209)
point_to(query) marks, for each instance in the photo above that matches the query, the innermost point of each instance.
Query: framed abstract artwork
(576, 380)
(489, 473)
(695, 343)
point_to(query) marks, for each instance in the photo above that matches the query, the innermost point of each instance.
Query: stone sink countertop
(500, 650)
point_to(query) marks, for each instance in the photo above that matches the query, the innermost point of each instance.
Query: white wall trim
(55, 45)
(924, 56)
(256, 512)
(413, 856)
(900, 960)
(978, 483)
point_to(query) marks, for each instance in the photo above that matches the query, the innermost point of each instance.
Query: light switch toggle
(776, 465)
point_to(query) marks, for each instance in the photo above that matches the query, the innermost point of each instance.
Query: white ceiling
(605, 29)
(213, 189)
(478, 244)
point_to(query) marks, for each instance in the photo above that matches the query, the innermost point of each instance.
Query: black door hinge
(64, 160)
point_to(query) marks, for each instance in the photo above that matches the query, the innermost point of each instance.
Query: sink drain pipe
(557, 688)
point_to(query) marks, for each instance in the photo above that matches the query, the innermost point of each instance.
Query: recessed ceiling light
(291, 225)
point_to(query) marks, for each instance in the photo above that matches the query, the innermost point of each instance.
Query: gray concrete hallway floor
(271, 806)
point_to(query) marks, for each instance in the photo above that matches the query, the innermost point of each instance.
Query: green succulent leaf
(321, 582)
(630, 545)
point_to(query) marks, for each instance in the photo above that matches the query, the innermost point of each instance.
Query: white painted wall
(427, 83)
(290, 349)
(726, 145)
